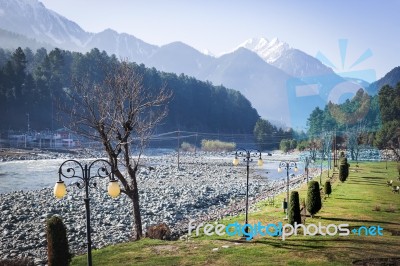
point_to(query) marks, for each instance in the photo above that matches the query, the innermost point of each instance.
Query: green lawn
(363, 200)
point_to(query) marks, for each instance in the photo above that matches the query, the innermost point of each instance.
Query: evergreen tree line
(388, 136)
(362, 108)
(363, 120)
(33, 83)
(268, 136)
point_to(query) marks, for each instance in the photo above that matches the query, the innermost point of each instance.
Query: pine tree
(328, 188)
(57, 243)
(294, 208)
(343, 168)
(314, 203)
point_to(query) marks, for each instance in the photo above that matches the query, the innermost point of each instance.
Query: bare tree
(121, 114)
(314, 145)
(355, 138)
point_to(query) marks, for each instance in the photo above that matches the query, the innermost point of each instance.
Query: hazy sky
(220, 25)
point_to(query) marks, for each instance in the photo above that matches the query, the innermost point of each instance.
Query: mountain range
(271, 74)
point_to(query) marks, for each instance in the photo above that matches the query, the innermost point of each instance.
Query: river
(38, 174)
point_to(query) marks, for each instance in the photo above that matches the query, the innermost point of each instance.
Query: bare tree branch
(121, 113)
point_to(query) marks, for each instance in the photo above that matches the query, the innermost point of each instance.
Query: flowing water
(28, 175)
(38, 174)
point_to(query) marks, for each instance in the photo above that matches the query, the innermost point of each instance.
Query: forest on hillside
(361, 122)
(34, 82)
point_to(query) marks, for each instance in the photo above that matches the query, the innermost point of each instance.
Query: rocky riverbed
(203, 188)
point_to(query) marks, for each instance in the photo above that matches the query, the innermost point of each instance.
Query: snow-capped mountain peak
(208, 52)
(270, 51)
(32, 19)
(254, 43)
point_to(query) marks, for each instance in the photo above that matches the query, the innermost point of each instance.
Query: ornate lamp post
(287, 166)
(67, 170)
(307, 162)
(247, 157)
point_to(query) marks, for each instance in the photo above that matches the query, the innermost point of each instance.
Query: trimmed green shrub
(294, 208)
(343, 168)
(57, 243)
(314, 203)
(217, 145)
(328, 188)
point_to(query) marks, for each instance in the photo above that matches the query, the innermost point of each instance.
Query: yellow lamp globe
(260, 162)
(279, 169)
(235, 161)
(60, 190)
(296, 169)
(113, 188)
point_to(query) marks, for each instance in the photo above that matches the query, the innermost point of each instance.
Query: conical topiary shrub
(314, 203)
(57, 243)
(294, 208)
(343, 168)
(328, 188)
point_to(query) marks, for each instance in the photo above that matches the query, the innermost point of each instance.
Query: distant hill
(263, 84)
(11, 40)
(391, 79)
(293, 61)
(33, 83)
(178, 57)
(123, 45)
(265, 81)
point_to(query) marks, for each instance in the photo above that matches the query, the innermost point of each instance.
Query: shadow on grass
(370, 183)
(277, 243)
(378, 172)
(359, 220)
(314, 244)
(373, 177)
(323, 245)
(363, 200)
(378, 261)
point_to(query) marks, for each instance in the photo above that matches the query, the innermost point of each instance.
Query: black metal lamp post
(247, 157)
(67, 171)
(287, 166)
(307, 162)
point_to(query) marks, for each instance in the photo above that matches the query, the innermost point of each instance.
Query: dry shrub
(377, 208)
(159, 231)
(17, 262)
(391, 208)
(187, 147)
(217, 145)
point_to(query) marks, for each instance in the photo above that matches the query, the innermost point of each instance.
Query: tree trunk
(134, 195)
(132, 192)
(136, 214)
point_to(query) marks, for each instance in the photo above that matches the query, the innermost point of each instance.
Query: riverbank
(205, 187)
(8, 155)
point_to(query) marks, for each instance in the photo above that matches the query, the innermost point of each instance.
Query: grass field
(363, 200)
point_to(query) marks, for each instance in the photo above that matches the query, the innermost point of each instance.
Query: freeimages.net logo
(308, 92)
